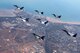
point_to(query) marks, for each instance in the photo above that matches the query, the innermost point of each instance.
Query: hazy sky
(69, 9)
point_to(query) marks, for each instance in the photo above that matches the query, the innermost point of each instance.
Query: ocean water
(69, 9)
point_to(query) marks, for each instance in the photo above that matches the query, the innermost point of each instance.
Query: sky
(69, 9)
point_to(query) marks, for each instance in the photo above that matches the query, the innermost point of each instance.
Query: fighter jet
(38, 37)
(70, 34)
